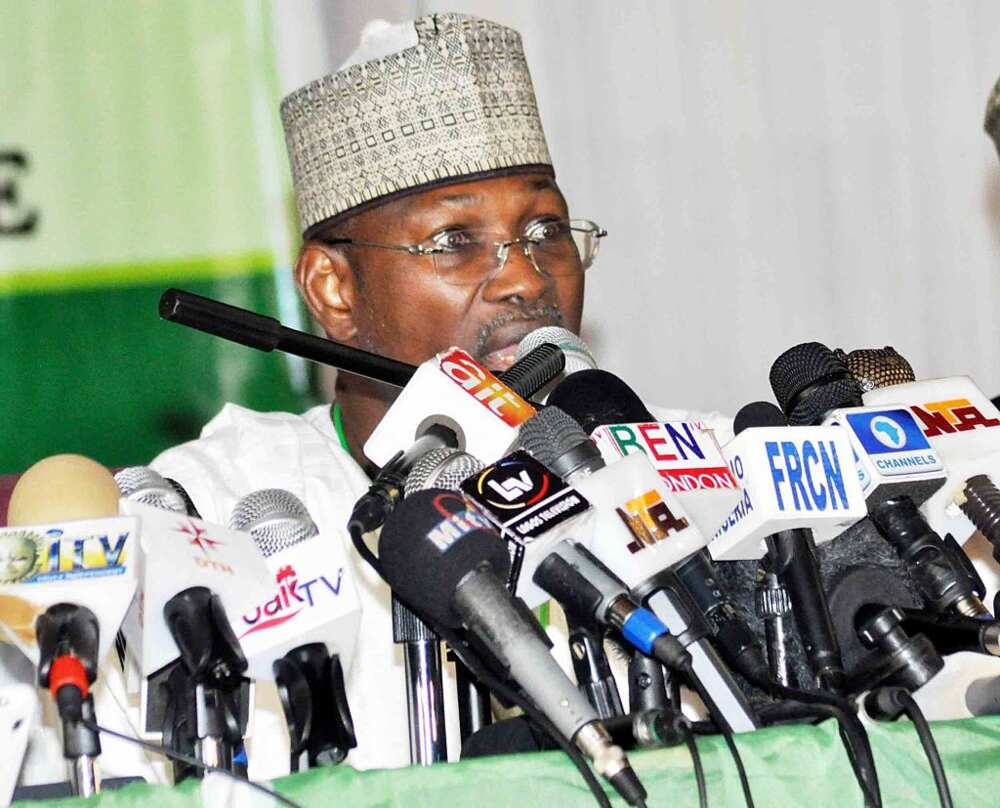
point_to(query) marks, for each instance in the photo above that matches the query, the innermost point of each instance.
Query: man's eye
(542, 231)
(454, 240)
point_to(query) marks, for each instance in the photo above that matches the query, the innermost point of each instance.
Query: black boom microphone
(445, 561)
(267, 334)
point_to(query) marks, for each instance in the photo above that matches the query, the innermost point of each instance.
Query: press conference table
(786, 766)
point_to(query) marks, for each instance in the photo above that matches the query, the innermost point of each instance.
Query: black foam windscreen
(809, 380)
(597, 398)
(758, 413)
(429, 543)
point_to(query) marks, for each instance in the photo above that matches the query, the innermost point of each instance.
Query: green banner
(140, 148)
(785, 766)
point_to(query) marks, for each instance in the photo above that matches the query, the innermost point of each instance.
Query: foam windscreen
(596, 398)
(809, 380)
(430, 542)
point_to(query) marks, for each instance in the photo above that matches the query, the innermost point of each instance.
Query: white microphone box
(312, 598)
(963, 427)
(90, 562)
(179, 552)
(687, 457)
(792, 477)
(639, 526)
(454, 390)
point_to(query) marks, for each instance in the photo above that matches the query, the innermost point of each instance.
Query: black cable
(796, 710)
(472, 661)
(190, 761)
(723, 727)
(851, 730)
(699, 771)
(914, 713)
(738, 760)
(358, 540)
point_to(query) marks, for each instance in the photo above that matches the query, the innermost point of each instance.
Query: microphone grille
(578, 355)
(877, 367)
(275, 518)
(446, 468)
(757, 414)
(809, 380)
(142, 484)
(549, 435)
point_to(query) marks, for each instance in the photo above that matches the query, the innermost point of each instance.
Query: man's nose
(519, 278)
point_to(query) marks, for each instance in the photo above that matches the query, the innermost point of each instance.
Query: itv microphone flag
(140, 148)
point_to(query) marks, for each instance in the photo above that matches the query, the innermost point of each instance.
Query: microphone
(877, 367)
(195, 580)
(442, 558)
(582, 584)
(62, 488)
(576, 352)
(472, 410)
(452, 389)
(642, 534)
(66, 585)
(792, 558)
(952, 633)
(143, 484)
(267, 334)
(67, 641)
(304, 634)
(444, 468)
(897, 465)
(960, 422)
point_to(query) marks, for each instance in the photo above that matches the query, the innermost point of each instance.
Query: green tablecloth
(786, 766)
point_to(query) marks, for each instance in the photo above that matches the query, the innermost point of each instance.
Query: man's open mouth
(501, 358)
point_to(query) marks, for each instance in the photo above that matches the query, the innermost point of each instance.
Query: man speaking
(431, 218)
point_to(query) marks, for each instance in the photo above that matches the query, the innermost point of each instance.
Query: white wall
(769, 173)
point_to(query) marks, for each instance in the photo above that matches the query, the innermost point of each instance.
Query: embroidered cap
(456, 104)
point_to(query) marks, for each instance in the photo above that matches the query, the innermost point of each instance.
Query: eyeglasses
(471, 256)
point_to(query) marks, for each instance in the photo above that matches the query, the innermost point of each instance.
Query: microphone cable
(916, 715)
(180, 757)
(717, 719)
(796, 710)
(699, 770)
(851, 730)
(887, 704)
(474, 663)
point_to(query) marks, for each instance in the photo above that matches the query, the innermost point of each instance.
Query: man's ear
(327, 284)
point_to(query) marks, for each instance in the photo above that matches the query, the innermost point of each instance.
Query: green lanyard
(542, 612)
(338, 423)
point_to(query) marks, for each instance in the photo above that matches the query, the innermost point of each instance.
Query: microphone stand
(212, 658)
(590, 665)
(313, 696)
(68, 638)
(424, 685)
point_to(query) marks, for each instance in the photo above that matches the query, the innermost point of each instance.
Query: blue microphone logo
(894, 442)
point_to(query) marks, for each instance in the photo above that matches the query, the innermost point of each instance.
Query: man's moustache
(548, 314)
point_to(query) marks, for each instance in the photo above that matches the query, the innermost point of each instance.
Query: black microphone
(267, 334)
(595, 398)
(810, 381)
(792, 557)
(442, 558)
